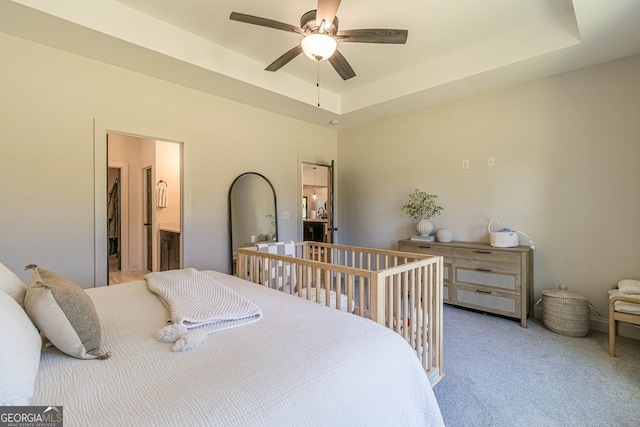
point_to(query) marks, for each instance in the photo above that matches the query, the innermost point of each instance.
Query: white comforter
(301, 365)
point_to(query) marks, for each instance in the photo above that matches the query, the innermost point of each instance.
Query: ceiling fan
(319, 29)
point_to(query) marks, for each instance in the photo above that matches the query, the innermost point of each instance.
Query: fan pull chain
(318, 83)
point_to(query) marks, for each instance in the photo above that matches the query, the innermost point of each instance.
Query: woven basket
(565, 313)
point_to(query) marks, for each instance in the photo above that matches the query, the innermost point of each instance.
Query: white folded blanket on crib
(629, 286)
(332, 301)
(198, 301)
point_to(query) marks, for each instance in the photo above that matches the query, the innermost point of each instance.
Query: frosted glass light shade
(319, 46)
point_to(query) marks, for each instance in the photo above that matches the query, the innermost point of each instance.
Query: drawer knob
(483, 291)
(424, 247)
(483, 252)
(484, 269)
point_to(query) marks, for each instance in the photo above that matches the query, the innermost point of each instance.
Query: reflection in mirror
(252, 213)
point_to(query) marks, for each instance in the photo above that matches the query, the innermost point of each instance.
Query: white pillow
(20, 346)
(11, 284)
(629, 286)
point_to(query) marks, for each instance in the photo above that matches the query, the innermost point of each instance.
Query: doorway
(101, 131)
(317, 203)
(141, 215)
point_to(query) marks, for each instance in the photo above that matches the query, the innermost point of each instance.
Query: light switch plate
(285, 215)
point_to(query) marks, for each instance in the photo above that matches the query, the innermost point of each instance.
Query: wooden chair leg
(612, 336)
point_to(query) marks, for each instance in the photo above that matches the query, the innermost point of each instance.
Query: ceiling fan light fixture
(318, 46)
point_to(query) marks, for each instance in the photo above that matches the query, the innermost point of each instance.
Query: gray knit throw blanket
(198, 301)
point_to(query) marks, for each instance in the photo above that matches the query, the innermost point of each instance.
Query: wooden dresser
(479, 276)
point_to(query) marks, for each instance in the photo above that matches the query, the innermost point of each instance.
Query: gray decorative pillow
(64, 313)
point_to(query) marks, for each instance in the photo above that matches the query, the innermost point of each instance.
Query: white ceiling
(454, 48)
(314, 176)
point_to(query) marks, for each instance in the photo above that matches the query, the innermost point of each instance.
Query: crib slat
(327, 288)
(427, 338)
(339, 293)
(361, 286)
(405, 304)
(309, 277)
(398, 300)
(350, 281)
(389, 308)
(419, 322)
(317, 277)
(412, 309)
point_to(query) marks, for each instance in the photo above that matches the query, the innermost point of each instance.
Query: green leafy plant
(272, 219)
(421, 206)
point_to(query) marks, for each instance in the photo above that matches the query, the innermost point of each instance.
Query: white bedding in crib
(302, 364)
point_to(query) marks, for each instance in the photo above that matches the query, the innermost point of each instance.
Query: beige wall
(168, 169)
(567, 152)
(567, 169)
(50, 101)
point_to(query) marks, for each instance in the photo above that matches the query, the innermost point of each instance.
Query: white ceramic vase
(424, 227)
(444, 235)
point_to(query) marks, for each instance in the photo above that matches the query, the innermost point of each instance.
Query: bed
(300, 364)
(399, 290)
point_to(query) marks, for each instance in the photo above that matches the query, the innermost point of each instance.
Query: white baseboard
(601, 324)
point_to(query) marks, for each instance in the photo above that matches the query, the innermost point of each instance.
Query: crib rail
(400, 290)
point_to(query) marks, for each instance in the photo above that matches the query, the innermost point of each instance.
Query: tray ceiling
(454, 49)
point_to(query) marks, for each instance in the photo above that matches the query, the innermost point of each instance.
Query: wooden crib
(400, 290)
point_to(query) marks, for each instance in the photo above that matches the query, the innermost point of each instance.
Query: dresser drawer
(446, 293)
(487, 255)
(495, 302)
(486, 265)
(507, 281)
(427, 249)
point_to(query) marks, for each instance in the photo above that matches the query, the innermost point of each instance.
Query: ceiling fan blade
(264, 22)
(341, 65)
(285, 59)
(373, 36)
(326, 11)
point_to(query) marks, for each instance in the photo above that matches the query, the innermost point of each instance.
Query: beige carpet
(499, 374)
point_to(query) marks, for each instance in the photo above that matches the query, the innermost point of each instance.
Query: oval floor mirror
(252, 213)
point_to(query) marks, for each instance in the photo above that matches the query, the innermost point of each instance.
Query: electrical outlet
(491, 162)
(285, 215)
(465, 164)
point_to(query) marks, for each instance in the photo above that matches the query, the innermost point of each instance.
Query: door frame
(123, 207)
(323, 163)
(147, 217)
(103, 127)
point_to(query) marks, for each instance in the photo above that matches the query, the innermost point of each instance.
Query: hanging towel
(162, 196)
